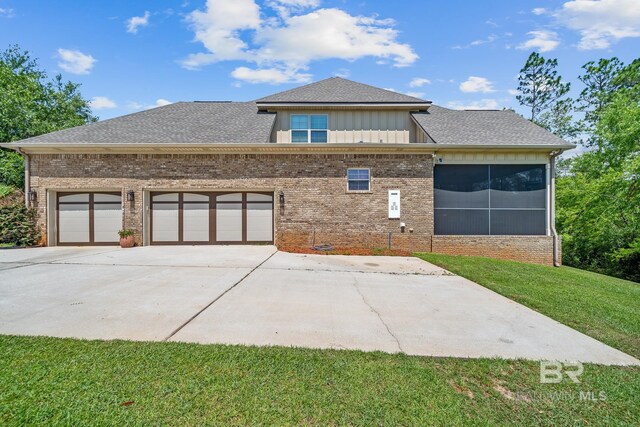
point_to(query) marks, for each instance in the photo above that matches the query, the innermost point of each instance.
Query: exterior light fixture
(130, 196)
(33, 195)
(281, 198)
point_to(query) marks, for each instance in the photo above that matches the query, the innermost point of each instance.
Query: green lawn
(51, 381)
(603, 307)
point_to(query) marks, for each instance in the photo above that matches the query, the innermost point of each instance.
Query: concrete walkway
(258, 296)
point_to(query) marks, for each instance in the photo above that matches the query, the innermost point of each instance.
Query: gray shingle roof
(483, 127)
(338, 90)
(182, 122)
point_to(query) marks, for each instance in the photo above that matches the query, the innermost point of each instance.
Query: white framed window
(309, 128)
(358, 180)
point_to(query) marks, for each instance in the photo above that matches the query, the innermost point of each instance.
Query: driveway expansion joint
(179, 328)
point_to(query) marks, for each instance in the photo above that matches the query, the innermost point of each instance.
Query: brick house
(334, 162)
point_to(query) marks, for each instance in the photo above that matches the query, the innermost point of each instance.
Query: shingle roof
(336, 90)
(483, 127)
(182, 122)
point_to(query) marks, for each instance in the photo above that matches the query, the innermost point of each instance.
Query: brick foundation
(532, 249)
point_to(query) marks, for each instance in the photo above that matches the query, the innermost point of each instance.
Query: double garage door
(193, 218)
(190, 218)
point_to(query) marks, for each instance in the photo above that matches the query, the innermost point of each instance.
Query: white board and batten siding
(355, 126)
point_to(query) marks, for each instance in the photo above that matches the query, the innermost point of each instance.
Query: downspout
(27, 176)
(552, 207)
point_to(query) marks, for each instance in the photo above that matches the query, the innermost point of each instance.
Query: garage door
(192, 218)
(89, 218)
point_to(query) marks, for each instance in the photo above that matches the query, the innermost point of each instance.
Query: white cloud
(601, 22)
(7, 12)
(132, 105)
(137, 21)
(483, 104)
(419, 82)
(342, 72)
(541, 40)
(539, 11)
(513, 92)
(415, 94)
(476, 84)
(286, 45)
(286, 7)
(75, 62)
(269, 75)
(490, 39)
(101, 103)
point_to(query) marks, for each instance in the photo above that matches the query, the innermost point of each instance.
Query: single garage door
(193, 218)
(89, 218)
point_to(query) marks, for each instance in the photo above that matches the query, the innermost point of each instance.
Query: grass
(52, 381)
(603, 307)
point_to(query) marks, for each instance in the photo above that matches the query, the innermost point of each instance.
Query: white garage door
(211, 218)
(89, 218)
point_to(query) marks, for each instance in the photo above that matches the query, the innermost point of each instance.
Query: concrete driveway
(256, 295)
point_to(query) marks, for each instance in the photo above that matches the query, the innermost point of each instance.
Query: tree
(539, 84)
(600, 86)
(558, 119)
(598, 194)
(32, 104)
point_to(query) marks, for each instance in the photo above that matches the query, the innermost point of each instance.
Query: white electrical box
(394, 204)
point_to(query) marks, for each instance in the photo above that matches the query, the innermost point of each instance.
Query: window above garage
(309, 128)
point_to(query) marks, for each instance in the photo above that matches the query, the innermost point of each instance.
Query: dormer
(338, 110)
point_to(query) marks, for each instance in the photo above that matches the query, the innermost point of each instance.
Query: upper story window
(309, 127)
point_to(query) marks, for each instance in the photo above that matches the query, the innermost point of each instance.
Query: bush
(18, 224)
(11, 168)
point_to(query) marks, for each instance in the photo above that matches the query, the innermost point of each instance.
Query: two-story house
(334, 162)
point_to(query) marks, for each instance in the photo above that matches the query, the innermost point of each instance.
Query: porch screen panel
(490, 199)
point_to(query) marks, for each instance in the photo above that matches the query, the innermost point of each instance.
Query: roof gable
(336, 90)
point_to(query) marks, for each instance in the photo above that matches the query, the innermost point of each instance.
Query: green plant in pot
(126, 238)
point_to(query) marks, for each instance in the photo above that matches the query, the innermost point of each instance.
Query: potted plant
(126, 238)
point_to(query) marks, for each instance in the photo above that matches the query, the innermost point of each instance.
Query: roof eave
(413, 106)
(131, 148)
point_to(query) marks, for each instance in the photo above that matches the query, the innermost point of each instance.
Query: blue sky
(131, 55)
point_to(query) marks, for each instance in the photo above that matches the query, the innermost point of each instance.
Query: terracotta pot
(127, 242)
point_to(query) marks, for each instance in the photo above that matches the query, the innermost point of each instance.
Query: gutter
(552, 208)
(27, 176)
(274, 147)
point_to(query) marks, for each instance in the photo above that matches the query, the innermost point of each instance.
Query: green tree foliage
(598, 196)
(599, 87)
(32, 104)
(18, 224)
(539, 85)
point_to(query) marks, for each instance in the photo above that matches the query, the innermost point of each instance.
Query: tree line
(598, 190)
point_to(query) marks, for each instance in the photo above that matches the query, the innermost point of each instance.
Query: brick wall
(315, 185)
(317, 206)
(533, 249)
